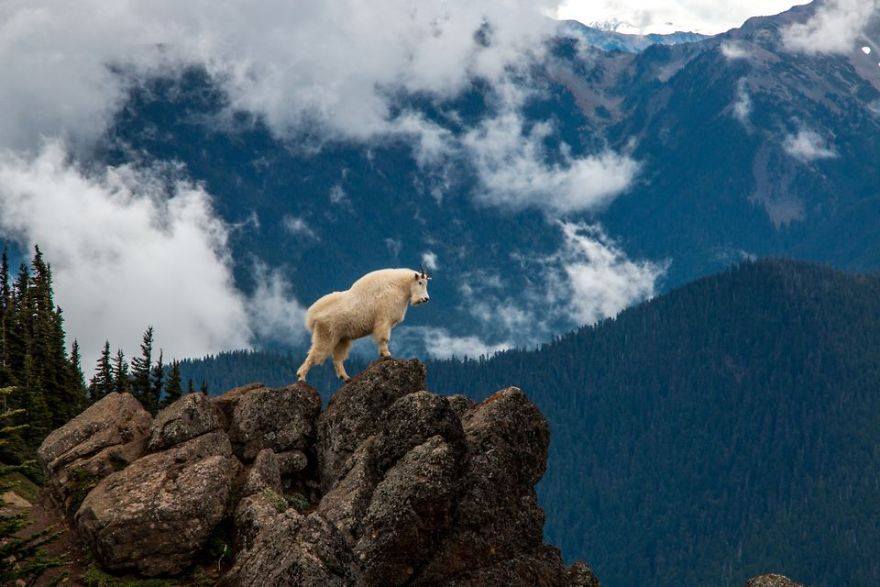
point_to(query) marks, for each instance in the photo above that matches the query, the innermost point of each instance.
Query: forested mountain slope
(729, 426)
(726, 428)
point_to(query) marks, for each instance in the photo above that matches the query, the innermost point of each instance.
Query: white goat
(374, 304)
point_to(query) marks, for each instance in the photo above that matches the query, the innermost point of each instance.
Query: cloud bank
(808, 145)
(512, 166)
(834, 28)
(129, 246)
(708, 17)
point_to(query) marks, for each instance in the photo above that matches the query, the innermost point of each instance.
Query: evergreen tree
(121, 379)
(77, 382)
(173, 390)
(102, 382)
(141, 368)
(21, 557)
(157, 384)
(190, 388)
(204, 387)
(5, 300)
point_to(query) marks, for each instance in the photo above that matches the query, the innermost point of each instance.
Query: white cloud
(742, 106)
(513, 168)
(300, 66)
(640, 17)
(429, 260)
(126, 253)
(601, 280)
(808, 145)
(297, 226)
(589, 278)
(274, 312)
(440, 344)
(733, 50)
(834, 28)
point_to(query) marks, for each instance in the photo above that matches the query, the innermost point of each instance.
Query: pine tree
(6, 321)
(77, 382)
(121, 379)
(157, 383)
(173, 390)
(102, 382)
(21, 557)
(204, 387)
(5, 301)
(141, 371)
(190, 388)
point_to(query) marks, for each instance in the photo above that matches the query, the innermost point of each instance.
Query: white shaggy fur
(374, 304)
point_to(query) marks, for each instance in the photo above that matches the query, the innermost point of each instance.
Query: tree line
(34, 360)
(47, 378)
(155, 385)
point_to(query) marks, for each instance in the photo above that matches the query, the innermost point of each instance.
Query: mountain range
(736, 147)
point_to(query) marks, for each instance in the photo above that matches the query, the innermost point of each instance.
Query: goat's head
(418, 289)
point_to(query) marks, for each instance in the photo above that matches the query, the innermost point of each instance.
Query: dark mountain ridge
(723, 429)
(733, 419)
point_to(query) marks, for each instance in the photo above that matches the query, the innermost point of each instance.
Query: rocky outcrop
(103, 439)
(771, 580)
(391, 485)
(191, 416)
(157, 513)
(278, 419)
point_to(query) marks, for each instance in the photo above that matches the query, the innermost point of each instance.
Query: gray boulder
(306, 551)
(190, 416)
(106, 437)
(281, 419)
(157, 513)
(357, 410)
(771, 580)
(263, 474)
(409, 510)
(499, 524)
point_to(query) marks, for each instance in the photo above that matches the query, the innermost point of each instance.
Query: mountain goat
(374, 304)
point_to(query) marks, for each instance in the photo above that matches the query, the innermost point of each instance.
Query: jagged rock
(344, 505)
(407, 423)
(409, 511)
(280, 419)
(355, 412)
(413, 419)
(264, 473)
(190, 416)
(107, 436)
(416, 489)
(253, 514)
(507, 439)
(580, 574)
(229, 400)
(460, 404)
(306, 551)
(291, 462)
(771, 580)
(157, 513)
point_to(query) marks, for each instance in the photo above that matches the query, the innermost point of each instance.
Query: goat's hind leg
(340, 353)
(318, 353)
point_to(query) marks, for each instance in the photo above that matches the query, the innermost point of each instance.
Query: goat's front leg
(382, 334)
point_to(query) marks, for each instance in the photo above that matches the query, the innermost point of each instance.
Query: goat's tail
(318, 307)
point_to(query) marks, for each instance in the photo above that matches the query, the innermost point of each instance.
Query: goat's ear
(417, 276)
